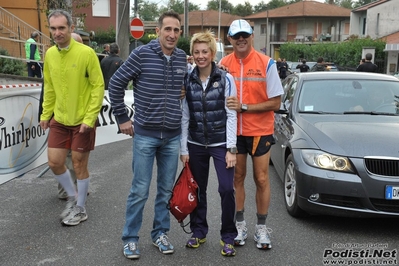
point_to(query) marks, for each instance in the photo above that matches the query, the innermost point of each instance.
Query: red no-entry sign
(137, 28)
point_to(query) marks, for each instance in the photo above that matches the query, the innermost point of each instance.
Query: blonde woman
(209, 130)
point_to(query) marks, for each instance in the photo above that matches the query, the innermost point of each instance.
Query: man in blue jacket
(157, 70)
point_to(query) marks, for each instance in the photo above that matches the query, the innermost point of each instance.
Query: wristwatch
(232, 150)
(244, 107)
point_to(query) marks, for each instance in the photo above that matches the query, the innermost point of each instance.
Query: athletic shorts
(254, 146)
(68, 137)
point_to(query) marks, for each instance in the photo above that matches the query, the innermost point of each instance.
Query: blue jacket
(157, 83)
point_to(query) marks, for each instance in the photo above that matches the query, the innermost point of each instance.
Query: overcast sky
(203, 3)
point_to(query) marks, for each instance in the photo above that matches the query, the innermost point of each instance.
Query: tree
(349, 3)
(226, 7)
(68, 5)
(178, 6)
(342, 3)
(346, 4)
(276, 4)
(262, 6)
(345, 54)
(193, 7)
(64, 4)
(243, 10)
(362, 3)
(10, 66)
(147, 11)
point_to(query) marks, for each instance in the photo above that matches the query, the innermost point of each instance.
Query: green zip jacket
(73, 85)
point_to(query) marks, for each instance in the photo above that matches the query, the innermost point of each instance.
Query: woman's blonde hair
(204, 37)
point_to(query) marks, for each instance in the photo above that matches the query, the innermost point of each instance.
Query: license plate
(392, 193)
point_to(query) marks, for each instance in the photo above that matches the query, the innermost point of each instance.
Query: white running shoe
(76, 216)
(241, 234)
(262, 236)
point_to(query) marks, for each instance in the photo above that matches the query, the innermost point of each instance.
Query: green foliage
(184, 44)
(176, 5)
(10, 66)
(346, 4)
(243, 9)
(345, 54)
(148, 36)
(48, 5)
(276, 4)
(226, 6)
(193, 7)
(148, 11)
(362, 3)
(105, 36)
(261, 6)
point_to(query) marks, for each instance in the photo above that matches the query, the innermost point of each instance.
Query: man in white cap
(259, 93)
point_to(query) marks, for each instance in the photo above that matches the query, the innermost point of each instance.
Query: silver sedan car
(337, 144)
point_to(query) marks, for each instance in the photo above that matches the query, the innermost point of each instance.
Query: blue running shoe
(164, 245)
(131, 250)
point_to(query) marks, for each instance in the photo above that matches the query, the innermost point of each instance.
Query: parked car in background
(328, 67)
(331, 66)
(336, 145)
(292, 67)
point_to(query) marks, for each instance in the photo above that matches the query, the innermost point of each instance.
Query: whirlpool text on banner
(23, 144)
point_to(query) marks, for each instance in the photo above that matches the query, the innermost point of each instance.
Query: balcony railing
(14, 28)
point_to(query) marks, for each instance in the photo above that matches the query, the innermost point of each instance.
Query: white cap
(239, 25)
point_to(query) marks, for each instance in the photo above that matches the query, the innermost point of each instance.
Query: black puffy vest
(207, 124)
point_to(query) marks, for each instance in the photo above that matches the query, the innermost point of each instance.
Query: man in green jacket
(32, 53)
(73, 92)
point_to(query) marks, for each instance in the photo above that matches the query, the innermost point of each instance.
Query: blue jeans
(145, 149)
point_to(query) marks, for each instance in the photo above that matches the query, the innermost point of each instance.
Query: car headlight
(327, 161)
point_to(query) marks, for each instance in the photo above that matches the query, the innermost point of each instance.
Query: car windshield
(293, 65)
(311, 64)
(349, 97)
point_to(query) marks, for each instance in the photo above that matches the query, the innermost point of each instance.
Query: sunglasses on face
(240, 34)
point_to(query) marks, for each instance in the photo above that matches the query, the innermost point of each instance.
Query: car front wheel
(290, 189)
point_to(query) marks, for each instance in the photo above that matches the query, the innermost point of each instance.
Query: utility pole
(220, 12)
(267, 34)
(186, 12)
(122, 26)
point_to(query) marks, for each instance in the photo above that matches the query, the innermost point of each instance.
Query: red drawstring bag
(184, 197)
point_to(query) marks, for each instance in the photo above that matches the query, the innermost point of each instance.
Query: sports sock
(240, 216)
(66, 182)
(261, 218)
(83, 188)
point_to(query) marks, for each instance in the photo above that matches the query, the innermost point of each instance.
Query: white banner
(23, 144)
